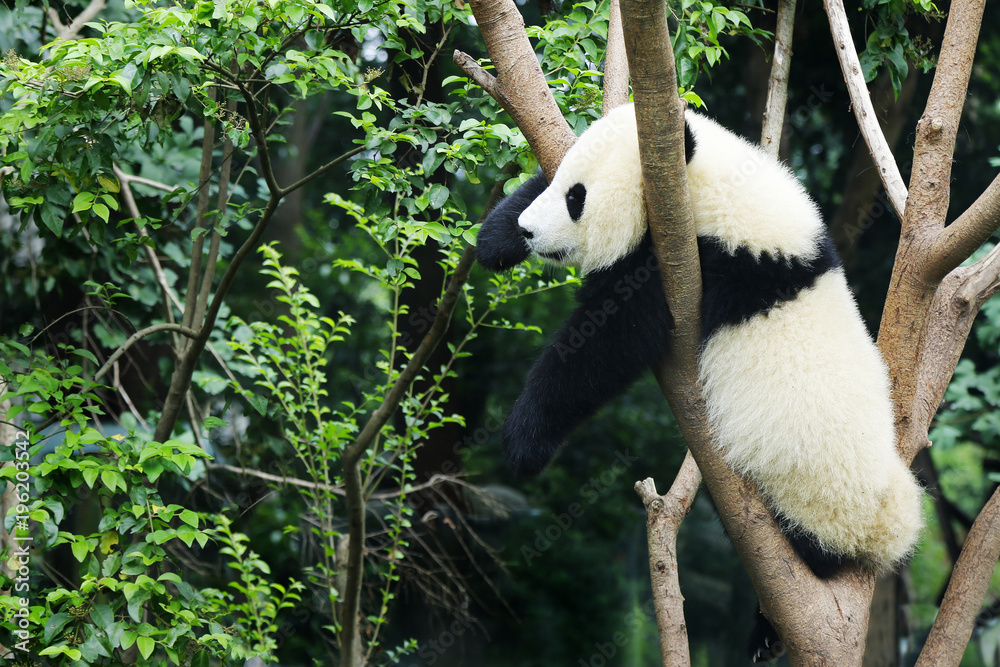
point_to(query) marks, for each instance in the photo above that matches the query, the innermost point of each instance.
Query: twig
(861, 102)
(136, 337)
(777, 89)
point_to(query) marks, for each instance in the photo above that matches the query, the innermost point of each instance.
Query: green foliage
(128, 590)
(700, 25)
(890, 44)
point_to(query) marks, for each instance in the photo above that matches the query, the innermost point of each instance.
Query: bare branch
(73, 29)
(475, 71)
(136, 337)
(969, 582)
(862, 104)
(918, 302)
(777, 89)
(664, 515)
(615, 62)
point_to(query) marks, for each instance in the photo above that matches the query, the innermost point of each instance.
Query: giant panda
(796, 392)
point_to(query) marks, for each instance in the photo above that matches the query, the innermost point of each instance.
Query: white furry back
(800, 403)
(744, 197)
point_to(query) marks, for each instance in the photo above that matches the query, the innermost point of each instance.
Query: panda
(796, 392)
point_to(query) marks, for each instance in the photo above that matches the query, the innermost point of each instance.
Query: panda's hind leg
(822, 562)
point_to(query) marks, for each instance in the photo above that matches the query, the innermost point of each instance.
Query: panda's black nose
(526, 234)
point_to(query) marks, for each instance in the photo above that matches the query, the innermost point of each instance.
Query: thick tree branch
(862, 104)
(938, 127)
(952, 628)
(520, 86)
(664, 515)
(777, 89)
(915, 303)
(972, 229)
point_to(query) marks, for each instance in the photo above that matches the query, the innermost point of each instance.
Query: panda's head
(593, 213)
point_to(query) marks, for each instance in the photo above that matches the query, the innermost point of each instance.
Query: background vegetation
(188, 498)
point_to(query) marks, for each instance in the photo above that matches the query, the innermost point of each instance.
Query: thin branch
(777, 89)
(664, 515)
(615, 62)
(139, 335)
(351, 594)
(861, 102)
(322, 170)
(969, 582)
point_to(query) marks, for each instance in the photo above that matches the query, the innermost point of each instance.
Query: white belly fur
(800, 403)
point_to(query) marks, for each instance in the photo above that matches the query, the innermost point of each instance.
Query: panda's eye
(575, 199)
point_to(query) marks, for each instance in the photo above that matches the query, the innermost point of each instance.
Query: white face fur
(601, 171)
(739, 195)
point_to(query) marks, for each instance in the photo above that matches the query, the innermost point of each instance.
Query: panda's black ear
(688, 142)
(500, 244)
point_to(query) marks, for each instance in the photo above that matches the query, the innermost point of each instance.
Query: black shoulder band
(735, 287)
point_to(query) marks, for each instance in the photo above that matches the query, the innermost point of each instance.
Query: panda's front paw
(527, 451)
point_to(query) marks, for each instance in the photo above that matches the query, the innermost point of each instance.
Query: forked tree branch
(520, 86)
(960, 239)
(664, 515)
(861, 102)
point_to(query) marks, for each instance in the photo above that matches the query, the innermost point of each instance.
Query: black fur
(737, 287)
(616, 333)
(500, 244)
(576, 197)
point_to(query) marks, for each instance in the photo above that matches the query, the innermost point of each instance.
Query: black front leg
(619, 329)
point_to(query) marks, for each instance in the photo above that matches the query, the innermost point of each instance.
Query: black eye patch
(575, 199)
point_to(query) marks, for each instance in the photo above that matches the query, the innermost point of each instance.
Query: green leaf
(83, 202)
(146, 646)
(438, 195)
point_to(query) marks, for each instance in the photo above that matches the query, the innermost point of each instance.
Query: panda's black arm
(618, 331)
(500, 244)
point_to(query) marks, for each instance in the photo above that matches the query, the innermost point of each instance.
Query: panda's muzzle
(556, 256)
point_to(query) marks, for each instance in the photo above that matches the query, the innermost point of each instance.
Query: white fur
(798, 397)
(614, 214)
(799, 402)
